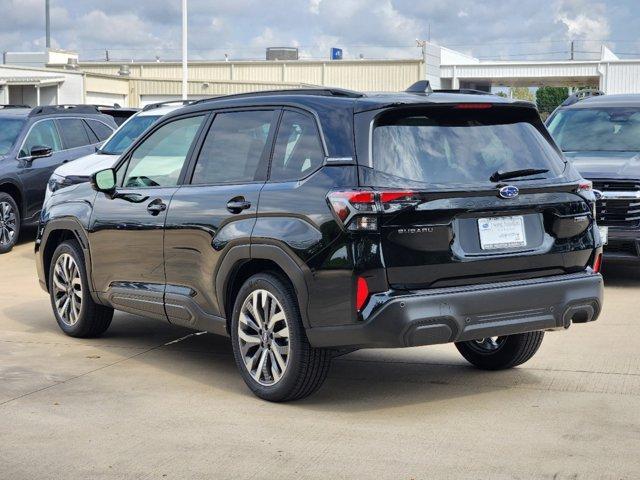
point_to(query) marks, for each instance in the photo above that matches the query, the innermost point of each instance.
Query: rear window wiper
(526, 172)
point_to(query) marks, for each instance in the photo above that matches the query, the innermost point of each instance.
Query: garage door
(99, 98)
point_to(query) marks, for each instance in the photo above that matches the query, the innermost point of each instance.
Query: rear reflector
(362, 293)
(597, 263)
(473, 106)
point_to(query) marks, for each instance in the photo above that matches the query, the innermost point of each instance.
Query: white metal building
(138, 83)
(40, 86)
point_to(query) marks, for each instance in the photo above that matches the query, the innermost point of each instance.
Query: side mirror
(40, 151)
(104, 180)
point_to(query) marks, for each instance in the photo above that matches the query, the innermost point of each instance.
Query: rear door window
(234, 147)
(101, 131)
(73, 133)
(298, 151)
(444, 146)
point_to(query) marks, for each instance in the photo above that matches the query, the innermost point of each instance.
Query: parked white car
(80, 170)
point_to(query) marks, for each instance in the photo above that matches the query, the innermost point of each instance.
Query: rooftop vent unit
(282, 53)
(72, 64)
(124, 71)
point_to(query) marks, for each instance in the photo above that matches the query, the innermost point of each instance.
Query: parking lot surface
(149, 400)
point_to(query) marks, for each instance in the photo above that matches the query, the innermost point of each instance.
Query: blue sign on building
(336, 54)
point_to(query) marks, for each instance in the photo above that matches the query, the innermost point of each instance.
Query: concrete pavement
(137, 404)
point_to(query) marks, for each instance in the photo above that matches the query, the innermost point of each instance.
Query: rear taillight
(585, 186)
(597, 263)
(362, 293)
(358, 209)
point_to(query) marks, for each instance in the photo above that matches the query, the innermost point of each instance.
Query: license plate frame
(502, 233)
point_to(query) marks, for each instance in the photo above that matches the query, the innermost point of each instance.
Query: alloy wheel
(487, 345)
(67, 289)
(263, 337)
(7, 223)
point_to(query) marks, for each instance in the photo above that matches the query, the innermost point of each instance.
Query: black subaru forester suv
(307, 224)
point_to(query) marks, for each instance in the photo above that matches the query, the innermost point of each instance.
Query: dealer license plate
(501, 232)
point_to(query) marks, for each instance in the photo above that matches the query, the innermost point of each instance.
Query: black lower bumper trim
(467, 313)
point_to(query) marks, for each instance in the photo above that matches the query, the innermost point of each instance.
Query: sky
(146, 29)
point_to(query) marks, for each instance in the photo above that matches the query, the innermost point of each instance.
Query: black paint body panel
(180, 265)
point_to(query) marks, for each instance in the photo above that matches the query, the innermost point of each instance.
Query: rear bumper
(466, 313)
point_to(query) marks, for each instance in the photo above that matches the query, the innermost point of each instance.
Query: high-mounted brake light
(362, 293)
(358, 209)
(473, 106)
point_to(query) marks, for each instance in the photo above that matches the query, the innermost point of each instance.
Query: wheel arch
(13, 189)
(54, 233)
(241, 262)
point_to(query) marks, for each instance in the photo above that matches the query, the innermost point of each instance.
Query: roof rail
(581, 95)
(152, 106)
(7, 106)
(320, 91)
(66, 109)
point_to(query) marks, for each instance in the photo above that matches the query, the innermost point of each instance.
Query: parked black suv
(600, 134)
(306, 224)
(33, 143)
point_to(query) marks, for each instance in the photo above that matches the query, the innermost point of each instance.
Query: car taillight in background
(358, 209)
(597, 263)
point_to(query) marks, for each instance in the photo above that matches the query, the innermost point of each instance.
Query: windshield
(126, 134)
(460, 148)
(9, 130)
(614, 129)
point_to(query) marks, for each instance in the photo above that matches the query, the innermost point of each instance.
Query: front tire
(270, 346)
(499, 353)
(75, 311)
(9, 222)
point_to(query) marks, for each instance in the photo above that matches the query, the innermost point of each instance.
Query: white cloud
(583, 19)
(314, 6)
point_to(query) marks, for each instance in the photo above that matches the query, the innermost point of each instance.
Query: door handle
(238, 204)
(156, 207)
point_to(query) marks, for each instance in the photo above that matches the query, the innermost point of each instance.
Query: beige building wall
(363, 75)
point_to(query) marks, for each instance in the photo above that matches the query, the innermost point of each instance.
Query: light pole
(47, 24)
(185, 70)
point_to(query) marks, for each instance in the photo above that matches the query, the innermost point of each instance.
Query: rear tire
(75, 311)
(270, 345)
(9, 222)
(502, 352)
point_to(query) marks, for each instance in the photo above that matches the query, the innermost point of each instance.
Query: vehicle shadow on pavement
(620, 275)
(361, 381)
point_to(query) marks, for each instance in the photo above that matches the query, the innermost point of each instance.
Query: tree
(521, 93)
(549, 98)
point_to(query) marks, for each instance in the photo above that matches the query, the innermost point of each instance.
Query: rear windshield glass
(9, 130)
(597, 129)
(126, 134)
(460, 147)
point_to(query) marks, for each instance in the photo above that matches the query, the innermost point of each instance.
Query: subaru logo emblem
(509, 191)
